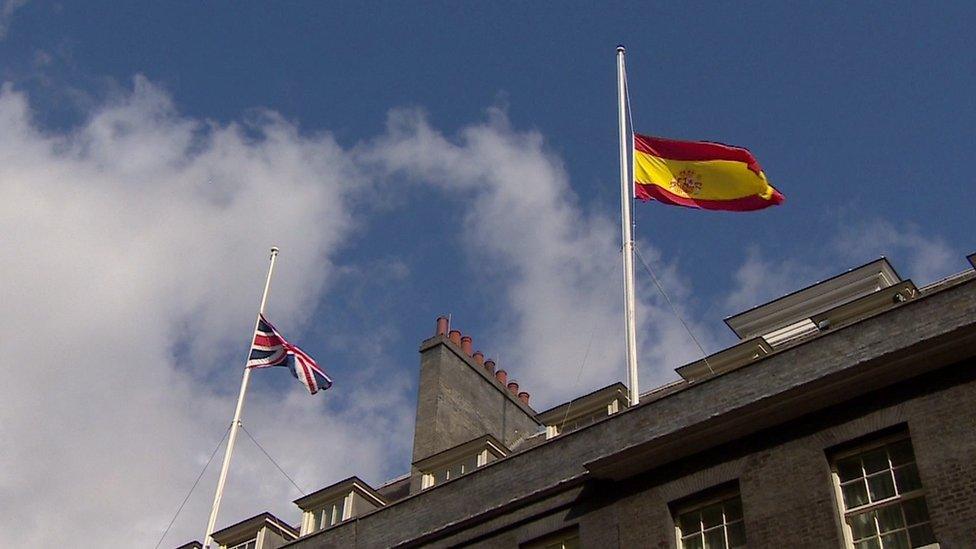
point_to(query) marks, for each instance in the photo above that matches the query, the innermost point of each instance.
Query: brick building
(844, 417)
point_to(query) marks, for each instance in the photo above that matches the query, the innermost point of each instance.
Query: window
(713, 524)
(564, 539)
(456, 469)
(332, 513)
(249, 544)
(881, 496)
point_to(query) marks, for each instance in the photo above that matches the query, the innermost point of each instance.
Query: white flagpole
(208, 539)
(626, 229)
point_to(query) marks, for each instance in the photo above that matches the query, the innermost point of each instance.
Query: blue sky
(414, 160)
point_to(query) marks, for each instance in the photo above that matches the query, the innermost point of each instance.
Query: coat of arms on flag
(271, 349)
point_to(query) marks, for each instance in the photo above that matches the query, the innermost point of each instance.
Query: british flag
(271, 349)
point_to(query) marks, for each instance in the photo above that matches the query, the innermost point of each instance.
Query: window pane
(849, 469)
(898, 540)
(921, 535)
(915, 511)
(737, 534)
(715, 539)
(855, 494)
(862, 525)
(733, 510)
(712, 515)
(907, 479)
(873, 543)
(875, 460)
(693, 542)
(881, 486)
(901, 452)
(689, 523)
(889, 518)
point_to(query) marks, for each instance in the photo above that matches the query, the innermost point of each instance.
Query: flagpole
(626, 229)
(235, 425)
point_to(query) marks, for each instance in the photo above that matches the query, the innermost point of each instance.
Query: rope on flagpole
(586, 355)
(197, 481)
(282, 471)
(674, 309)
(630, 120)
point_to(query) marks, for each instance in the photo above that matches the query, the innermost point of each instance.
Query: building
(844, 417)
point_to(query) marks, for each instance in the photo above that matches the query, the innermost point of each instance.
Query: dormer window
(334, 504)
(333, 512)
(262, 531)
(585, 410)
(461, 460)
(454, 470)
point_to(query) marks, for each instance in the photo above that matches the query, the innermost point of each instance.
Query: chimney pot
(442, 326)
(455, 336)
(501, 376)
(524, 397)
(513, 387)
(479, 358)
(490, 366)
(466, 345)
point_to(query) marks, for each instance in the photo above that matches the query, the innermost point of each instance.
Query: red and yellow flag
(700, 174)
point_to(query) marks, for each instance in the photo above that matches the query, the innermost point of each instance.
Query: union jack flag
(271, 349)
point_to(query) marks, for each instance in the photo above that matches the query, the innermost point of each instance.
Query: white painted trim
(347, 506)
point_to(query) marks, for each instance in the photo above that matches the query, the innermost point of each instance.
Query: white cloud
(561, 264)
(7, 9)
(135, 250)
(139, 229)
(922, 257)
(759, 280)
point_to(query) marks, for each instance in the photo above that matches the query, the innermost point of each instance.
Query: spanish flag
(700, 174)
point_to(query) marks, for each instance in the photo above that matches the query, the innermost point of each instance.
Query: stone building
(845, 416)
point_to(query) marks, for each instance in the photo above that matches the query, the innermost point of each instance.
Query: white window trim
(312, 518)
(873, 444)
(697, 504)
(243, 543)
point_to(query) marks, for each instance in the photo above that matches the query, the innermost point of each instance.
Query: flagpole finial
(274, 251)
(621, 48)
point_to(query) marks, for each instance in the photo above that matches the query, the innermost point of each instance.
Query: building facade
(844, 417)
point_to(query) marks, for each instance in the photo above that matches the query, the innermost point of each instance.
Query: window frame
(551, 540)
(313, 518)
(867, 445)
(701, 500)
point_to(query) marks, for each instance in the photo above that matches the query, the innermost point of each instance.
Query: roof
(339, 489)
(813, 299)
(904, 341)
(585, 403)
(463, 450)
(249, 528)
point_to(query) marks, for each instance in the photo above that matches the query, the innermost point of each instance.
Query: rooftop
(776, 362)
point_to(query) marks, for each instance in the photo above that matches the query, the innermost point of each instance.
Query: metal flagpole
(627, 236)
(235, 425)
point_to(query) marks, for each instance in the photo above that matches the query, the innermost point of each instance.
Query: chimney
(461, 396)
(442, 326)
(524, 397)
